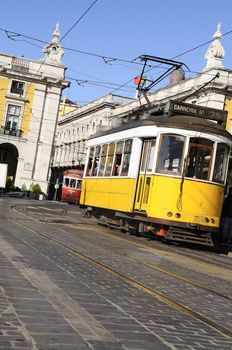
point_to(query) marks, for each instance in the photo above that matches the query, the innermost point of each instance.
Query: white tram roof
(194, 124)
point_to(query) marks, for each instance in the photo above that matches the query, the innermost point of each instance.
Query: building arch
(9, 155)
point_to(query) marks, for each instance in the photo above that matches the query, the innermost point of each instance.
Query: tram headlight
(212, 221)
(169, 214)
(177, 215)
(206, 219)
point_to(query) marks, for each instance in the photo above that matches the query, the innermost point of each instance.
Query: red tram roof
(73, 173)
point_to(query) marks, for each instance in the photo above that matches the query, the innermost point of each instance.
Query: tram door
(145, 172)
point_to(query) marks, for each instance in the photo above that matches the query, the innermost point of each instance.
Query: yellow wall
(26, 118)
(228, 108)
(66, 107)
(3, 92)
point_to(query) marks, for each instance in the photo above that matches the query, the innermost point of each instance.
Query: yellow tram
(165, 174)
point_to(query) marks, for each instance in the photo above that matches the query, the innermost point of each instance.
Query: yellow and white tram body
(166, 173)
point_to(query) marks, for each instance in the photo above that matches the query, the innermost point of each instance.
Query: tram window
(110, 159)
(72, 183)
(150, 155)
(199, 158)
(78, 185)
(66, 182)
(90, 161)
(94, 170)
(170, 154)
(118, 159)
(126, 157)
(144, 156)
(220, 163)
(102, 160)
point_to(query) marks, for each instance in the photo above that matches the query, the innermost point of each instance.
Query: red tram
(71, 188)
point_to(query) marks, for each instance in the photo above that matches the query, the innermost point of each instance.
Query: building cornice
(10, 74)
(108, 101)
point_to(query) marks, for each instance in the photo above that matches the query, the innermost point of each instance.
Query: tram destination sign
(175, 107)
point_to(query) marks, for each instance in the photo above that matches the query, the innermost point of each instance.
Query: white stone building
(75, 127)
(30, 93)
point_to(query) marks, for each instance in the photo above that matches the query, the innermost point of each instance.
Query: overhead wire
(12, 35)
(79, 19)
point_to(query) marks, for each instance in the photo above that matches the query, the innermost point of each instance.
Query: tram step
(177, 234)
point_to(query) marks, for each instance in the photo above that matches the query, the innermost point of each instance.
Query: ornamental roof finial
(215, 53)
(54, 51)
(56, 34)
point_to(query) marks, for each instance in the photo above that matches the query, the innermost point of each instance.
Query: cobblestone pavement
(51, 298)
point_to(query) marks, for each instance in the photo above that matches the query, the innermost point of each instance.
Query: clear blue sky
(117, 28)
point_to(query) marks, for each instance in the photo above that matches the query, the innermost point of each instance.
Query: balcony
(20, 65)
(11, 132)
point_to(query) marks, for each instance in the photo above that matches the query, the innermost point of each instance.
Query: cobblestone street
(66, 283)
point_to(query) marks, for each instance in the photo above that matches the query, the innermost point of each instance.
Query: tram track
(208, 257)
(162, 270)
(171, 274)
(188, 251)
(137, 284)
(141, 245)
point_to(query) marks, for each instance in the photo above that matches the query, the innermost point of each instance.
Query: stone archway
(9, 155)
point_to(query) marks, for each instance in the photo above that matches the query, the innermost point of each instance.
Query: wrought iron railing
(11, 132)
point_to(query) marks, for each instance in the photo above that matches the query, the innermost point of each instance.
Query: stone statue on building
(53, 51)
(215, 53)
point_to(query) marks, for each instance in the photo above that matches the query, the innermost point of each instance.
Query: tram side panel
(114, 194)
(197, 202)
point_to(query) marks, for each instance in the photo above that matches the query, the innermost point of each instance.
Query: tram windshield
(199, 158)
(171, 154)
(206, 160)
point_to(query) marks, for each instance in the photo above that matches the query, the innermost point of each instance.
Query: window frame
(16, 90)
(112, 156)
(102, 160)
(98, 157)
(117, 155)
(211, 161)
(124, 156)
(225, 163)
(8, 115)
(95, 162)
(157, 156)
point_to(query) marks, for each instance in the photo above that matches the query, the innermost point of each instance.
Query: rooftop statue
(53, 51)
(215, 53)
